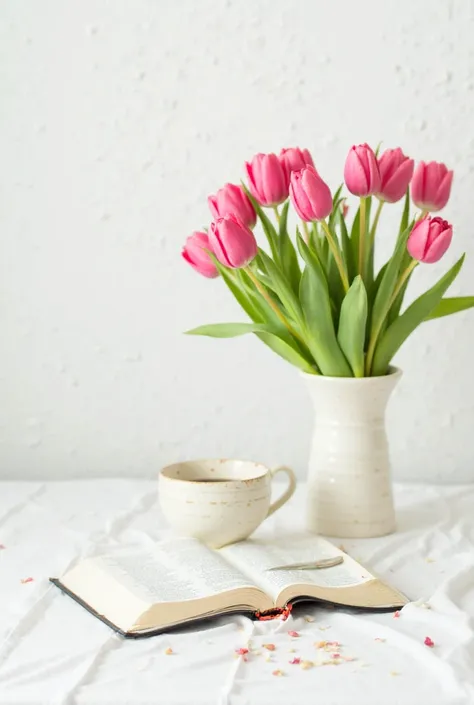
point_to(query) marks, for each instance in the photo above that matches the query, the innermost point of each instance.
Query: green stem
(273, 305)
(424, 213)
(337, 255)
(306, 231)
(362, 234)
(373, 340)
(277, 215)
(373, 230)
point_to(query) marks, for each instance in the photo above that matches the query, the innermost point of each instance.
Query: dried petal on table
(306, 665)
(2, 547)
(396, 614)
(293, 633)
(169, 651)
(295, 660)
(321, 644)
(394, 673)
(335, 655)
(429, 642)
(269, 647)
(278, 672)
(308, 618)
(379, 638)
(23, 581)
(242, 651)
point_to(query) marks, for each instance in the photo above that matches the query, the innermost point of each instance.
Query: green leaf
(282, 287)
(352, 325)
(228, 330)
(346, 248)
(448, 306)
(287, 252)
(406, 214)
(239, 292)
(288, 353)
(268, 227)
(387, 285)
(281, 346)
(320, 334)
(404, 325)
(355, 233)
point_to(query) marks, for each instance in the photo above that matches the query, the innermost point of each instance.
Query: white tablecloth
(52, 651)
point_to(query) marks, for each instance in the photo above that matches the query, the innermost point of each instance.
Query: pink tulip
(233, 199)
(396, 171)
(310, 195)
(429, 239)
(195, 253)
(295, 159)
(431, 186)
(233, 243)
(361, 172)
(267, 179)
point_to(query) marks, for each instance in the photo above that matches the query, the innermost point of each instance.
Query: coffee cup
(219, 501)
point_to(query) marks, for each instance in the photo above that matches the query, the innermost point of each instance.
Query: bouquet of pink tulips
(317, 301)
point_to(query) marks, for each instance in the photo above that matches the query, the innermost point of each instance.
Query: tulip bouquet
(316, 300)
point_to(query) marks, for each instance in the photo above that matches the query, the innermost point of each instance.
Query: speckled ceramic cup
(219, 501)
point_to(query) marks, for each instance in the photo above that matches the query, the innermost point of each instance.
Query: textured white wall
(117, 120)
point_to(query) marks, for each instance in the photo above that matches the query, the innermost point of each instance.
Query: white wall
(118, 118)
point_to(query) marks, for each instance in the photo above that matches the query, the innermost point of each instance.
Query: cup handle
(287, 493)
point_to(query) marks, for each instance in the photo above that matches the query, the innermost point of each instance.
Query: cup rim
(265, 470)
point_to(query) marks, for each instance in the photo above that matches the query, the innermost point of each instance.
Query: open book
(181, 580)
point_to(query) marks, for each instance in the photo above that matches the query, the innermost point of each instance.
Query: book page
(255, 556)
(175, 570)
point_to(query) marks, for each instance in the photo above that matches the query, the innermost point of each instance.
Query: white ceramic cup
(219, 501)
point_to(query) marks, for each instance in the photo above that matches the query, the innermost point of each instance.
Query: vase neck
(351, 400)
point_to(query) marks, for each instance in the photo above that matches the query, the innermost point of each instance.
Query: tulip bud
(396, 171)
(431, 186)
(361, 172)
(232, 199)
(310, 195)
(233, 243)
(267, 179)
(295, 159)
(429, 239)
(194, 252)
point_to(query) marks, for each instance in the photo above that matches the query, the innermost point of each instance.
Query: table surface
(52, 651)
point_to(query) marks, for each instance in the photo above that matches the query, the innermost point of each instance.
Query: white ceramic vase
(349, 485)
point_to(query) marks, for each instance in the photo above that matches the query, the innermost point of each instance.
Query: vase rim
(393, 373)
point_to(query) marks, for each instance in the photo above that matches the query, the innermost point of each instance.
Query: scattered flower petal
(293, 633)
(323, 629)
(429, 642)
(308, 618)
(269, 647)
(268, 658)
(169, 651)
(341, 548)
(278, 672)
(394, 673)
(26, 580)
(305, 665)
(295, 660)
(396, 614)
(321, 644)
(336, 655)
(2, 547)
(242, 651)
(379, 638)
